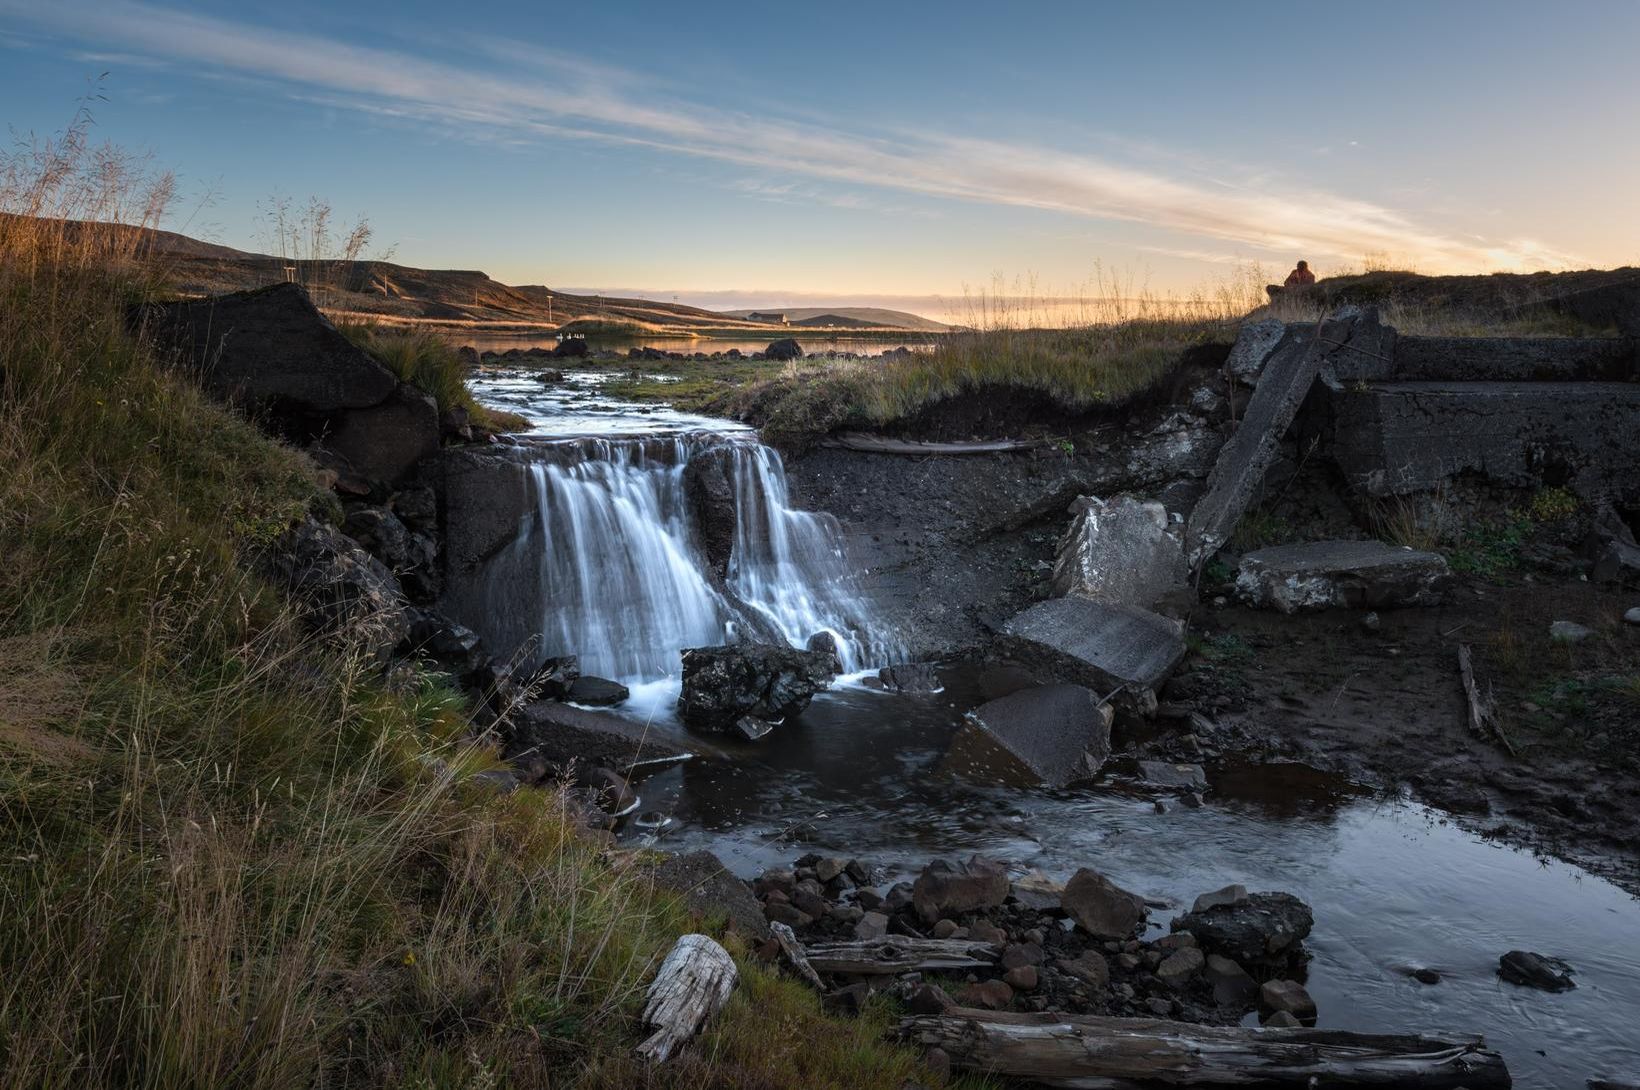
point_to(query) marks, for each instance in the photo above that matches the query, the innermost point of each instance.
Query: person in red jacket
(1300, 276)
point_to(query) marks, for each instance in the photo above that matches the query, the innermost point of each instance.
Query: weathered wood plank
(690, 987)
(1483, 712)
(882, 444)
(1095, 1053)
(900, 954)
(795, 954)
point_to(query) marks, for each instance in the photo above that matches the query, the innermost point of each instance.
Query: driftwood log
(795, 954)
(881, 444)
(898, 954)
(691, 986)
(1092, 1053)
(1483, 711)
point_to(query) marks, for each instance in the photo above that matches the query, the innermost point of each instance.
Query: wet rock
(770, 682)
(947, 889)
(911, 677)
(453, 646)
(609, 789)
(1229, 896)
(1178, 967)
(560, 734)
(1168, 774)
(751, 728)
(1569, 632)
(1287, 996)
(1119, 550)
(985, 931)
(1053, 734)
(1100, 907)
(1232, 985)
(599, 692)
(708, 489)
(829, 867)
(1037, 891)
(1351, 574)
(822, 641)
(1281, 1020)
(786, 348)
(381, 534)
(1021, 953)
(1104, 646)
(1632, 616)
(1263, 929)
(345, 590)
(1426, 976)
(1531, 970)
(554, 677)
(572, 348)
(945, 929)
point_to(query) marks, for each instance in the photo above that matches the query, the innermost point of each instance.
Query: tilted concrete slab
(1101, 645)
(1402, 437)
(1282, 386)
(1330, 574)
(1051, 734)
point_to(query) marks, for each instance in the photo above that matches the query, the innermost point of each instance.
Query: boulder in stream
(946, 889)
(1052, 734)
(1102, 908)
(771, 682)
(1532, 970)
(1259, 929)
(1109, 647)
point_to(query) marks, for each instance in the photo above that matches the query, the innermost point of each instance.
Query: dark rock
(1090, 967)
(503, 781)
(947, 889)
(911, 677)
(829, 867)
(786, 348)
(554, 677)
(599, 692)
(1104, 646)
(1168, 774)
(1119, 550)
(988, 995)
(381, 533)
(455, 423)
(1037, 891)
(1281, 1020)
(1179, 967)
(1350, 574)
(1022, 978)
(1021, 953)
(786, 914)
(1426, 976)
(610, 789)
(1287, 996)
(708, 487)
(1053, 734)
(1232, 985)
(1530, 970)
(822, 641)
(871, 925)
(417, 508)
(560, 734)
(385, 441)
(751, 728)
(774, 683)
(345, 590)
(1230, 895)
(1618, 562)
(453, 646)
(929, 999)
(271, 351)
(572, 348)
(1100, 907)
(1263, 929)
(986, 931)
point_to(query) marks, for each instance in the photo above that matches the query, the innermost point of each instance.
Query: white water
(622, 579)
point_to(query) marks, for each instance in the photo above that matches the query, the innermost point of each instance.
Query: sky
(898, 154)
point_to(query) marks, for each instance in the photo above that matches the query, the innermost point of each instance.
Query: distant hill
(850, 318)
(384, 291)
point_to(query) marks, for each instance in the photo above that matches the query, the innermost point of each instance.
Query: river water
(1394, 886)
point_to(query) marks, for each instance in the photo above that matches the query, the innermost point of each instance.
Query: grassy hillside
(235, 853)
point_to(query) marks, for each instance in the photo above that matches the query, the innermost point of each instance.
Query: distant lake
(813, 341)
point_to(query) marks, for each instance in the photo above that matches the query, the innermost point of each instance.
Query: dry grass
(232, 856)
(429, 362)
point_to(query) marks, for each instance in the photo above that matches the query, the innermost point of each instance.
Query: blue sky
(751, 154)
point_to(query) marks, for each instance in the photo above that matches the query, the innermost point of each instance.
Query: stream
(1394, 886)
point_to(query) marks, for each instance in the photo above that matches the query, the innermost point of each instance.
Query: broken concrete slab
(1120, 550)
(558, 734)
(1191, 777)
(1348, 574)
(1105, 646)
(1255, 343)
(1286, 380)
(1509, 359)
(1052, 734)
(1396, 438)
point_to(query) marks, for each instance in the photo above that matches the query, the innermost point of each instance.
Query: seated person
(1300, 277)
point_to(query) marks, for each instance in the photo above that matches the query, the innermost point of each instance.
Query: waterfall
(619, 574)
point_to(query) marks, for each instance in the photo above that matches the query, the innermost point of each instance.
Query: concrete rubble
(1348, 574)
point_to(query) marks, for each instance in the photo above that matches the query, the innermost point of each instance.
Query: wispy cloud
(543, 96)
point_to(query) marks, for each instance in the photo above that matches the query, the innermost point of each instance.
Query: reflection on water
(577, 406)
(814, 342)
(1392, 884)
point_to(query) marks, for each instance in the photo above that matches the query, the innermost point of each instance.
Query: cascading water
(619, 574)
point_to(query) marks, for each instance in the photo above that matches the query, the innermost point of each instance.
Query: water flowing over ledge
(611, 564)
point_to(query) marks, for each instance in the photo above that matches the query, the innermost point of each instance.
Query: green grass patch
(433, 365)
